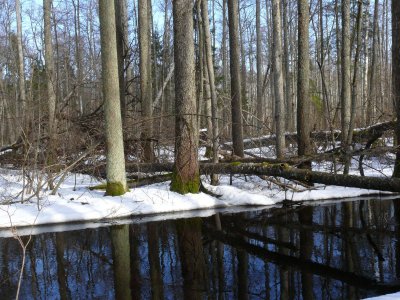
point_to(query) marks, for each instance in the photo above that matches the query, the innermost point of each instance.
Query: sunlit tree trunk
(146, 90)
(185, 177)
(116, 178)
(303, 90)
(21, 71)
(396, 75)
(277, 55)
(236, 101)
(211, 81)
(373, 71)
(260, 102)
(120, 12)
(346, 81)
(50, 82)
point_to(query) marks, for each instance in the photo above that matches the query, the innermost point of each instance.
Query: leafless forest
(211, 73)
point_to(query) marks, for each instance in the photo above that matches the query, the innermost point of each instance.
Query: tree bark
(185, 177)
(120, 12)
(374, 57)
(21, 71)
(278, 79)
(146, 90)
(236, 101)
(116, 178)
(396, 75)
(211, 81)
(346, 81)
(50, 82)
(303, 79)
(260, 102)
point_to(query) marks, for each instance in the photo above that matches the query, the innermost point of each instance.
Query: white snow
(75, 202)
(394, 296)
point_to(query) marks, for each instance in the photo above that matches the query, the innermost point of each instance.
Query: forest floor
(75, 202)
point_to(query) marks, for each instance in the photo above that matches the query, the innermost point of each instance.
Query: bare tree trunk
(278, 79)
(146, 90)
(354, 88)
(119, 23)
(78, 105)
(372, 81)
(396, 75)
(185, 177)
(288, 87)
(21, 71)
(224, 58)
(303, 92)
(366, 67)
(260, 101)
(50, 81)
(116, 178)
(236, 101)
(211, 81)
(346, 81)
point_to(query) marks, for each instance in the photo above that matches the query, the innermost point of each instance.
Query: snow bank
(75, 202)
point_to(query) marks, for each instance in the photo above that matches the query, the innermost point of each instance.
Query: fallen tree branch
(359, 135)
(284, 171)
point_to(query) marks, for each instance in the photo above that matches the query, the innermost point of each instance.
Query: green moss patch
(115, 189)
(185, 186)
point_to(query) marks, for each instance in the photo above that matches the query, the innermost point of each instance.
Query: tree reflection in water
(334, 251)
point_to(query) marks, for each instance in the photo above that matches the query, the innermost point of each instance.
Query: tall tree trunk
(224, 58)
(51, 82)
(278, 79)
(354, 88)
(288, 88)
(185, 177)
(374, 55)
(260, 102)
(236, 101)
(78, 105)
(396, 75)
(303, 90)
(21, 71)
(146, 90)
(211, 81)
(120, 8)
(116, 178)
(366, 66)
(346, 80)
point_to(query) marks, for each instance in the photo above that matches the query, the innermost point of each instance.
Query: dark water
(346, 250)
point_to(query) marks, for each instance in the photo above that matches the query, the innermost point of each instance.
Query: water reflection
(338, 251)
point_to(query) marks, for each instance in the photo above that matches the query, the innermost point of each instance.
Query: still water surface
(342, 250)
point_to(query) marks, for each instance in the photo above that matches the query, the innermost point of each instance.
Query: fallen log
(359, 136)
(284, 171)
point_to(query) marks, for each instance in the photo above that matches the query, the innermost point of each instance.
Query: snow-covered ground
(74, 201)
(395, 296)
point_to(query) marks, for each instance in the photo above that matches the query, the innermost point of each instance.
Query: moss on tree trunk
(116, 189)
(182, 186)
